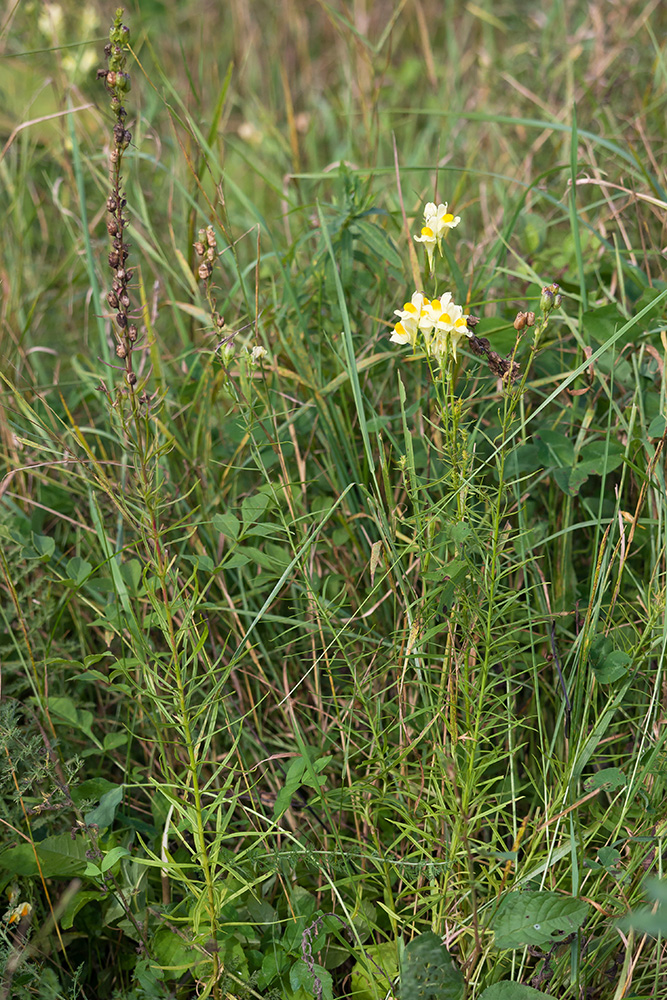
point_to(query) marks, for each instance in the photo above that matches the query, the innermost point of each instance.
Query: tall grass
(326, 667)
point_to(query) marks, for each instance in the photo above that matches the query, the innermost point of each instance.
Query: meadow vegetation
(333, 631)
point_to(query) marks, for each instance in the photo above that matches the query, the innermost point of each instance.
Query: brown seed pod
(121, 350)
(132, 332)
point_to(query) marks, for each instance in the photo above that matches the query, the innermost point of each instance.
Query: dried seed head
(520, 321)
(210, 236)
(121, 350)
(112, 226)
(112, 204)
(530, 319)
(125, 300)
(114, 258)
(199, 248)
(131, 378)
(121, 319)
(132, 332)
(205, 270)
(112, 299)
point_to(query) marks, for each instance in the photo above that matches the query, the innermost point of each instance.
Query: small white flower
(258, 352)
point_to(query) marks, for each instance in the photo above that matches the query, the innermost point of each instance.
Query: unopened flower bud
(546, 300)
(550, 298)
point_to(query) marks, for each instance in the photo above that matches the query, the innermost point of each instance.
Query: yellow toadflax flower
(440, 323)
(437, 223)
(407, 328)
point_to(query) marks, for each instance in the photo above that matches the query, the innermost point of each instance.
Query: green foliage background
(310, 665)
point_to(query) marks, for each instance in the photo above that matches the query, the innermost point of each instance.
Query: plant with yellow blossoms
(437, 325)
(437, 223)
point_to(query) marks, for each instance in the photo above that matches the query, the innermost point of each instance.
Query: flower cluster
(438, 324)
(437, 223)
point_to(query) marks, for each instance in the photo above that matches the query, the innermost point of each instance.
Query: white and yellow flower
(437, 223)
(441, 324)
(450, 330)
(407, 328)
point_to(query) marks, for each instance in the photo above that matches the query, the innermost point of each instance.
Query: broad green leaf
(103, 815)
(114, 855)
(300, 976)
(610, 777)
(657, 426)
(609, 857)
(227, 524)
(80, 718)
(131, 572)
(601, 324)
(507, 990)
(561, 448)
(92, 790)
(613, 666)
(367, 982)
(59, 857)
(428, 972)
(536, 918)
(44, 547)
(78, 570)
(650, 920)
(253, 507)
(76, 904)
